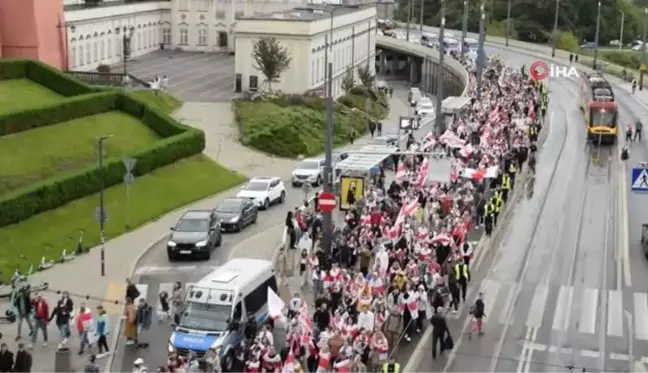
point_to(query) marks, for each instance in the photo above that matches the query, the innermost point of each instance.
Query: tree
(367, 78)
(271, 59)
(349, 81)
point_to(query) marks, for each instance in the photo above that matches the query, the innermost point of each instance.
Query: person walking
(462, 275)
(23, 306)
(130, 331)
(638, 129)
(6, 358)
(177, 298)
(439, 329)
(455, 293)
(85, 327)
(478, 312)
(143, 320)
(91, 366)
(23, 362)
(61, 316)
(102, 332)
(41, 319)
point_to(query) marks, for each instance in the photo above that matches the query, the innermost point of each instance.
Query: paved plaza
(193, 76)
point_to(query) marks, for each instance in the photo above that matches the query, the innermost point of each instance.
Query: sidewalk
(81, 278)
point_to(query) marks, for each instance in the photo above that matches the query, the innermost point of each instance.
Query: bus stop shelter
(364, 161)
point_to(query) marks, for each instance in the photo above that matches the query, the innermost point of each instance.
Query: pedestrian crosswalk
(148, 291)
(564, 308)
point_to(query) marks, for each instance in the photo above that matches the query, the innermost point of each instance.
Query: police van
(217, 307)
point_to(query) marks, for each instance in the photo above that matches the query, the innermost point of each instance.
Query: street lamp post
(464, 30)
(63, 25)
(621, 31)
(421, 18)
(596, 36)
(480, 50)
(327, 234)
(508, 22)
(643, 50)
(554, 34)
(409, 18)
(126, 46)
(440, 79)
(102, 210)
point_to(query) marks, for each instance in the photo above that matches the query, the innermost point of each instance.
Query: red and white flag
(342, 366)
(401, 172)
(323, 362)
(480, 174)
(423, 173)
(377, 285)
(466, 151)
(451, 139)
(275, 306)
(442, 239)
(289, 365)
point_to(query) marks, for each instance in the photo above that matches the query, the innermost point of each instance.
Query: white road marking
(538, 305)
(624, 255)
(589, 306)
(590, 353)
(563, 308)
(143, 289)
(615, 313)
(509, 298)
(490, 288)
(641, 316)
(618, 356)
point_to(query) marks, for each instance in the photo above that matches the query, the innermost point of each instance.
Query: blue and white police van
(217, 307)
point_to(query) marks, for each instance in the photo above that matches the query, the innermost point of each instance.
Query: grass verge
(160, 100)
(293, 125)
(152, 195)
(75, 148)
(21, 94)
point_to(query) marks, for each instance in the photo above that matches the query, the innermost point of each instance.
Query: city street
(154, 273)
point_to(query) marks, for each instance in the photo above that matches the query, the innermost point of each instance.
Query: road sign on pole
(327, 201)
(129, 163)
(99, 214)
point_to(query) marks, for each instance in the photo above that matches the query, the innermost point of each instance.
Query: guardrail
(109, 79)
(452, 66)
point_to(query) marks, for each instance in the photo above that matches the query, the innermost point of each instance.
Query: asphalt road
(551, 284)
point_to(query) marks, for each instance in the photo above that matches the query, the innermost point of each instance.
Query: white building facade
(303, 32)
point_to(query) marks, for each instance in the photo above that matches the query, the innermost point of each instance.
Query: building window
(95, 50)
(203, 5)
(109, 48)
(313, 72)
(184, 36)
(102, 51)
(149, 38)
(183, 5)
(89, 53)
(72, 58)
(202, 37)
(81, 63)
(220, 14)
(139, 41)
(166, 35)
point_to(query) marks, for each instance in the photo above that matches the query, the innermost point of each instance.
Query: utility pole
(554, 34)
(102, 210)
(643, 50)
(328, 149)
(596, 36)
(480, 51)
(421, 18)
(440, 79)
(409, 18)
(621, 31)
(464, 30)
(508, 22)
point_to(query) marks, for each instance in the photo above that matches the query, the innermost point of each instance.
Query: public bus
(599, 108)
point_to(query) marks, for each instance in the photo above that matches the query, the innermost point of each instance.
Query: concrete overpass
(420, 65)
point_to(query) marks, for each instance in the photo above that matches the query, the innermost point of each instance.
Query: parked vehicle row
(198, 232)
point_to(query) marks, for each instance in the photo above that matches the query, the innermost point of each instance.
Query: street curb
(119, 325)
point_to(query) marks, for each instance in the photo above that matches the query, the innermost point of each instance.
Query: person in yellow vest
(489, 208)
(391, 366)
(512, 171)
(499, 203)
(462, 275)
(506, 187)
(533, 133)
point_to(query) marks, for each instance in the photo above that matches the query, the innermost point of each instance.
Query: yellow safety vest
(506, 182)
(386, 368)
(488, 208)
(512, 169)
(458, 271)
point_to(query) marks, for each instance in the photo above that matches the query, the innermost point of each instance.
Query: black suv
(197, 233)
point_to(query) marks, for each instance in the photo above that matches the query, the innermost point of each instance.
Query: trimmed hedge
(179, 141)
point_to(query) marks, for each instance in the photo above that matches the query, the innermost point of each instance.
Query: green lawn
(67, 146)
(160, 100)
(151, 196)
(21, 94)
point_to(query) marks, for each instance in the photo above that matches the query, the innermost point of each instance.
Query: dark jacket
(6, 361)
(132, 292)
(322, 319)
(23, 362)
(439, 323)
(61, 314)
(26, 307)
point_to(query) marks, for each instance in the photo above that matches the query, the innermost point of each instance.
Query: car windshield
(192, 225)
(308, 165)
(229, 206)
(257, 186)
(426, 107)
(210, 317)
(473, 46)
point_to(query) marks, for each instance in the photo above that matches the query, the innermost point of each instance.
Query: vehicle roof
(236, 273)
(233, 199)
(429, 34)
(197, 214)
(471, 40)
(265, 178)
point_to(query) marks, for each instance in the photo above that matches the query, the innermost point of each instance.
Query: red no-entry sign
(327, 201)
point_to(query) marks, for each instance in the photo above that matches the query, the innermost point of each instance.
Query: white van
(429, 39)
(451, 45)
(216, 308)
(414, 96)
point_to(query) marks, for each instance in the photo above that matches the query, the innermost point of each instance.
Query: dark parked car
(236, 213)
(197, 233)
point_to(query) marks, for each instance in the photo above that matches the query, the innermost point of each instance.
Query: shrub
(13, 69)
(630, 60)
(44, 75)
(104, 69)
(567, 41)
(179, 142)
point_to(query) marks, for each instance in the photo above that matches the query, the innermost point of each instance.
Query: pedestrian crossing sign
(639, 180)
